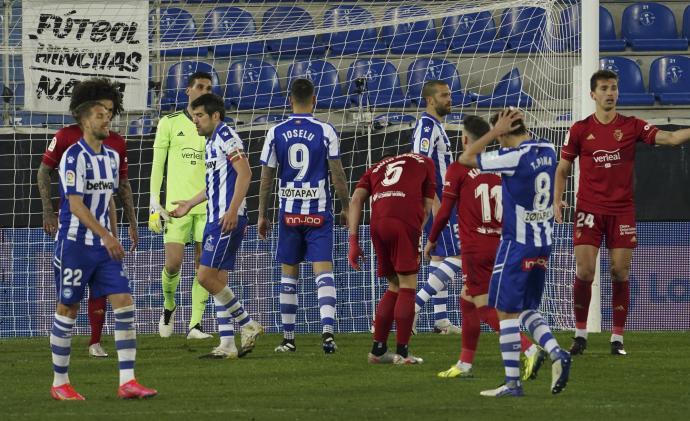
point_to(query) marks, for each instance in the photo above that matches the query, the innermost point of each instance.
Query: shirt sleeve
(571, 146)
(422, 137)
(268, 152)
(122, 155)
(365, 181)
(56, 147)
(645, 132)
(504, 160)
(118, 165)
(429, 186)
(453, 181)
(230, 143)
(73, 174)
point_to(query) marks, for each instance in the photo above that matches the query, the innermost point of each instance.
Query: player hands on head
(87, 252)
(527, 167)
(227, 180)
(303, 151)
(402, 188)
(107, 93)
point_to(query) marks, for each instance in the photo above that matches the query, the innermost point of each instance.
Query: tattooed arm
(127, 197)
(341, 189)
(50, 222)
(267, 176)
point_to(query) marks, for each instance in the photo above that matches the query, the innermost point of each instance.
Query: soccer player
(107, 93)
(178, 142)
(402, 189)
(87, 251)
(479, 210)
(605, 143)
(304, 150)
(429, 138)
(527, 166)
(227, 179)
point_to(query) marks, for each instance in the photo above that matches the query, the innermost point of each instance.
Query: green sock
(199, 300)
(169, 287)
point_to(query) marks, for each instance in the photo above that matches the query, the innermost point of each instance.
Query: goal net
(368, 61)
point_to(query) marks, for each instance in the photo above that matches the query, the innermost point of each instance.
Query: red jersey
(607, 161)
(68, 136)
(479, 207)
(398, 186)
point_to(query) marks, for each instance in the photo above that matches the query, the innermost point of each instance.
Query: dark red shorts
(476, 272)
(396, 245)
(620, 230)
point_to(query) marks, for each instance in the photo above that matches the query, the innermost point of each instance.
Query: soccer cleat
(250, 332)
(386, 358)
(133, 390)
(503, 390)
(454, 372)
(222, 353)
(196, 333)
(579, 345)
(65, 392)
(329, 346)
(167, 323)
(409, 360)
(445, 327)
(97, 351)
(529, 366)
(560, 372)
(288, 345)
(617, 348)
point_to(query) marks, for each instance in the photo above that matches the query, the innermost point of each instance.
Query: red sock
(470, 331)
(96, 311)
(525, 343)
(582, 294)
(488, 315)
(384, 316)
(620, 299)
(404, 315)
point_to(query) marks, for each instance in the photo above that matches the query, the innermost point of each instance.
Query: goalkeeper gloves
(157, 217)
(355, 252)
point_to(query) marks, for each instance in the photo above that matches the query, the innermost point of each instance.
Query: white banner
(66, 42)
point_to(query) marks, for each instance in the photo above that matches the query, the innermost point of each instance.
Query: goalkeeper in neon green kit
(178, 142)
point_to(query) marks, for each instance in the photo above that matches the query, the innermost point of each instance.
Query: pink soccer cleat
(133, 390)
(65, 392)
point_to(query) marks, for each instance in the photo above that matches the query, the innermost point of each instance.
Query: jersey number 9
(298, 157)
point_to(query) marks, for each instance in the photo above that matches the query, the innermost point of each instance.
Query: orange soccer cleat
(65, 392)
(133, 390)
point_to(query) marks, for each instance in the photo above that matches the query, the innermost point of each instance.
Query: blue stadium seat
(33, 119)
(507, 92)
(669, 79)
(18, 90)
(423, 69)
(178, 25)
(231, 22)
(142, 126)
(418, 37)
(607, 33)
(631, 89)
(382, 83)
(651, 26)
(686, 23)
(291, 19)
(253, 84)
(325, 77)
(345, 42)
(174, 95)
(523, 28)
(571, 27)
(454, 118)
(269, 118)
(382, 121)
(472, 33)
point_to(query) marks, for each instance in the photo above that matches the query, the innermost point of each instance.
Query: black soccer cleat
(329, 346)
(617, 348)
(288, 345)
(579, 345)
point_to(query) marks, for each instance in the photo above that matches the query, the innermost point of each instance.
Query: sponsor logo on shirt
(590, 137)
(70, 178)
(181, 133)
(383, 195)
(618, 135)
(532, 262)
(296, 220)
(67, 292)
(99, 185)
(538, 216)
(298, 193)
(192, 155)
(424, 145)
(211, 165)
(606, 158)
(53, 142)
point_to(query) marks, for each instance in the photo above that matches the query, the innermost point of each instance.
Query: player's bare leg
(170, 278)
(325, 284)
(288, 306)
(585, 267)
(199, 300)
(383, 322)
(61, 347)
(404, 316)
(620, 297)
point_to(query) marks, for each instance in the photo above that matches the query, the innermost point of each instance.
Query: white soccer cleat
(250, 332)
(386, 358)
(221, 352)
(166, 323)
(445, 327)
(97, 351)
(409, 360)
(197, 333)
(503, 391)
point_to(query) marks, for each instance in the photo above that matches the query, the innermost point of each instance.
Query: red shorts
(396, 245)
(476, 272)
(620, 230)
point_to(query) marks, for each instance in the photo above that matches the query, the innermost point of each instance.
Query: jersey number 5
(483, 193)
(393, 172)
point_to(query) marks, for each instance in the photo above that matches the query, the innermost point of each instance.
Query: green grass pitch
(651, 383)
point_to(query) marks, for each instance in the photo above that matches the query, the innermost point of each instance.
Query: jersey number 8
(542, 190)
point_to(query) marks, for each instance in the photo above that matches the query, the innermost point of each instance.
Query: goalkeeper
(178, 142)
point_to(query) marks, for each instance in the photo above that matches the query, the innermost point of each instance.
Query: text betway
(99, 185)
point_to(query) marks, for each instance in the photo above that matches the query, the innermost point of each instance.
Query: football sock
(446, 272)
(470, 331)
(96, 311)
(326, 295)
(432, 286)
(199, 300)
(226, 326)
(288, 305)
(384, 316)
(620, 300)
(61, 347)
(170, 283)
(582, 295)
(402, 350)
(509, 340)
(125, 342)
(404, 315)
(227, 299)
(540, 331)
(379, 348)
(488, 315)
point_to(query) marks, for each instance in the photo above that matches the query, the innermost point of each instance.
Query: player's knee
(585, 272)
(619, 273)
(173, 266)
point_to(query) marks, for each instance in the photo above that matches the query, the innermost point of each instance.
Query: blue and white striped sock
(509, 340)
(327, 299)
(446, 272)
(540, 331)
(125, 342)
(226, 325)
(227, 299)
(288, 305)
(61, 347)
(431, 287)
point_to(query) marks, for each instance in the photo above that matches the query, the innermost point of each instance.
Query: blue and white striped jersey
(94, 176)
(528, 180)
(429, 138)
(300, 147)
(220, 174)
